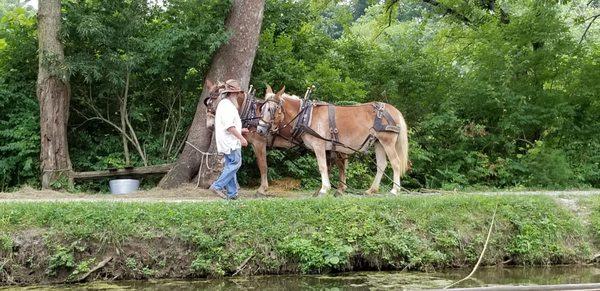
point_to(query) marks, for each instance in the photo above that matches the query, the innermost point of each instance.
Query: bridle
(247, 111)
(274, 111)
(214, 97)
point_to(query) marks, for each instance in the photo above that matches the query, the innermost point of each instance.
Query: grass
(304, 235)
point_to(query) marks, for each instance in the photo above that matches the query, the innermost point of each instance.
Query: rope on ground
(487, 240)
(203, 159)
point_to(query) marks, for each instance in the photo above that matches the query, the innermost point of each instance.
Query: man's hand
(245, 131)
(237, 134)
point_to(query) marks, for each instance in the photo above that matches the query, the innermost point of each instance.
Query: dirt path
(183, 194)
(193, 194)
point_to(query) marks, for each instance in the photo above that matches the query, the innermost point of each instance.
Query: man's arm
(237, 134)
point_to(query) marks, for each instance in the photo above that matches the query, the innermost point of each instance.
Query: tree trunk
(232, 61)
(53, 94)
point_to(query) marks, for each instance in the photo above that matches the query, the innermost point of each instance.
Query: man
(228, 134)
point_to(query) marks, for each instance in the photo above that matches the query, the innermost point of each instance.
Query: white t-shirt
(227, 116)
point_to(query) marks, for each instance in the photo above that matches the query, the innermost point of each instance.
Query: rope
(487, 240)
(203, 159)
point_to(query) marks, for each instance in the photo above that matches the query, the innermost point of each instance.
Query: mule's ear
(209, 84)
(269, 89)
(281, 91)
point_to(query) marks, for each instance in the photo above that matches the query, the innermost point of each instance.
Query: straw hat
(231, 86)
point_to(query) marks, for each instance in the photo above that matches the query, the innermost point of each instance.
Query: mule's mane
(286, 95)
(283, 96)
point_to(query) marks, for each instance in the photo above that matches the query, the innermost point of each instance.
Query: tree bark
(123, 113)
(53, 94)
(233, 60)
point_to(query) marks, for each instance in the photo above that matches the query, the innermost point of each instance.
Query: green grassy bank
(57, 242)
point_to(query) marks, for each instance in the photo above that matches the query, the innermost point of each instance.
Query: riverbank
(52, 242)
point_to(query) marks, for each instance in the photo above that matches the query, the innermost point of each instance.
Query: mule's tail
(402, 145)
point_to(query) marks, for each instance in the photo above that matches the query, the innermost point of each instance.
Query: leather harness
(248, 112)
(377, 125)
(304, 117)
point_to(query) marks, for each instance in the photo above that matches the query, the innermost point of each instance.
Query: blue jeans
(228, 177)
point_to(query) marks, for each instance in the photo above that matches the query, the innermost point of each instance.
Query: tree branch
(593, 18)
(388, 10)
(136, 142)
(449, 10)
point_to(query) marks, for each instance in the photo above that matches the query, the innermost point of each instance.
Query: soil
(159, 257)
(187, 193)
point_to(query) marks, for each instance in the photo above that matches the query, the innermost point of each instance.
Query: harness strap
(381, 112)
(332, 127)
(304, 118)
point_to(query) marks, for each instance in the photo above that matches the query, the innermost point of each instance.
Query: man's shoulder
(226, 104)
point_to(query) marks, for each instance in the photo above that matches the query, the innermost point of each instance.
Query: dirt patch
(182, 194)
(34, 259)
(285, 184)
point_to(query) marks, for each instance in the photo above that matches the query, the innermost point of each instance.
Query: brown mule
(261, 143)
(344, 129)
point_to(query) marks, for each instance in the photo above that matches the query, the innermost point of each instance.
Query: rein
(368, 141)
(275, 110)
(306, 129)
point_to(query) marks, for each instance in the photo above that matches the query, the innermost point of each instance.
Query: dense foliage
(496, 93)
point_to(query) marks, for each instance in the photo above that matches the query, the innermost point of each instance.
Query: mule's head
(211, 101)
(272, 113)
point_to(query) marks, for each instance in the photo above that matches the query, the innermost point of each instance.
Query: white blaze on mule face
(263, 123)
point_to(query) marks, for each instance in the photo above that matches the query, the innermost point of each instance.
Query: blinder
(273, 111)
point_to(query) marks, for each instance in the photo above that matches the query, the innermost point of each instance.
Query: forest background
(500, 94)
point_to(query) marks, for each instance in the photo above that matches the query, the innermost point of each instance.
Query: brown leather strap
(381, 112)
(332, 127)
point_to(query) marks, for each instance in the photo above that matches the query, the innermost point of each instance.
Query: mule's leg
(381, 165)
(260, 151)
(341, 161)
(322, 161)
(392, 154)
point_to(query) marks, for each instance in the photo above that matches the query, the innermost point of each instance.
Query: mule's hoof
(338, 193)
(371, 191)
(320, 193)
(261, 195)
(261, 191)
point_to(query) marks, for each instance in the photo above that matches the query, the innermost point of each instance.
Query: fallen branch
(9, 279)
(243, 265)
(98, 267)
(487, 240)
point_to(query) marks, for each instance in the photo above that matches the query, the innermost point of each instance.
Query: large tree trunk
(232, 61)
(53, 94)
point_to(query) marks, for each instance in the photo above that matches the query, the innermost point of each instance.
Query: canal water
(358, 281)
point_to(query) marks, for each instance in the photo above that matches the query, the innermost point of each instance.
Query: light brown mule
(354, 124)
(259, 142)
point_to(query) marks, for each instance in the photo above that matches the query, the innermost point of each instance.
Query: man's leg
(226, 173)
(232, 185)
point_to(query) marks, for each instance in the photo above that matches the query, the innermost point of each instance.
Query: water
(358, 281)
